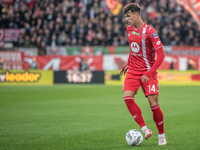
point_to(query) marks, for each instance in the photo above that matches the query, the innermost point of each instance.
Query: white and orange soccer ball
(134, 137)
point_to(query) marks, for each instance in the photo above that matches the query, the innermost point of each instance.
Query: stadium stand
(89, 22)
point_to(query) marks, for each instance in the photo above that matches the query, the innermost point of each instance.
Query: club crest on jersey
(143, 36)
(135, 33)
(135, 47)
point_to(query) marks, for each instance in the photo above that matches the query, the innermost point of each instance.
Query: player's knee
(153, 104)
(153, 100)
(129, 93)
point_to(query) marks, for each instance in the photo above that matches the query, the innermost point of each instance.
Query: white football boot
(162, 141)
(147, 133)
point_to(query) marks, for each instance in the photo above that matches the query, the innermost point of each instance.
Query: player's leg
(133, 108)
(158, 118)
(157, 113)
(151, 90)
(130, 88)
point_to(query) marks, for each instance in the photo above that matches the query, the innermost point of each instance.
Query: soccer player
(144, 43)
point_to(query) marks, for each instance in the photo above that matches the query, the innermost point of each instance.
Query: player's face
(131, 18)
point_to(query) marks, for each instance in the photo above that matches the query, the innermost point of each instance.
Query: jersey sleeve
(155, 40)
(128, 63)
(159, 60)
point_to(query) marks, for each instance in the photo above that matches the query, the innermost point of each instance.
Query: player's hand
(124, 70)
(144, 78)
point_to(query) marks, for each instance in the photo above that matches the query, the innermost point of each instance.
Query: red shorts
(132, 82)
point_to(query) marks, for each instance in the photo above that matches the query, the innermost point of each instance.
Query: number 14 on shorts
(152, 88)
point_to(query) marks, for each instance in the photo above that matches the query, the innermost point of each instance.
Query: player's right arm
(125, 68)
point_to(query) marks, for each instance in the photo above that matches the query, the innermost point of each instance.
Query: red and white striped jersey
(142, 42)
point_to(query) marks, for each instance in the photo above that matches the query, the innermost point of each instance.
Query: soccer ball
(134, 137)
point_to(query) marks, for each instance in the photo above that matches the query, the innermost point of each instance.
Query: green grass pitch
(93, 117)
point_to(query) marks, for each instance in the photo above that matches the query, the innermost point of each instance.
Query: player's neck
(139, 24)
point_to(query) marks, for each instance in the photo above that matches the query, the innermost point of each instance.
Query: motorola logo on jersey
(135, 47)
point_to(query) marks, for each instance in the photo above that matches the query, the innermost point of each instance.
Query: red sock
(158, 118)
(135, 111)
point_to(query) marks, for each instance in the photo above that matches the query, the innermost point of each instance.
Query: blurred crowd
(90, 22)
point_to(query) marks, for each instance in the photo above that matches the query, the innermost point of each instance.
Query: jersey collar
(139, 27)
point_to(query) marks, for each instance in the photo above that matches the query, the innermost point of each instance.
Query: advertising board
(26, 77)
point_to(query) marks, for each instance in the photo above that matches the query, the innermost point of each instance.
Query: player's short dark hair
(133, 7)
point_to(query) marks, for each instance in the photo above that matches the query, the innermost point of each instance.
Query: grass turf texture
(89, 117)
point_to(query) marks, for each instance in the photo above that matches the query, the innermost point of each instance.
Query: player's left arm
(158, 62)
(157, 45)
